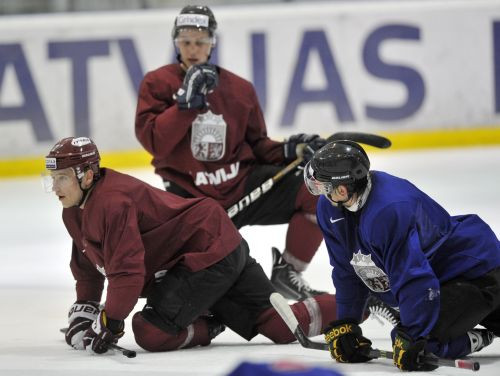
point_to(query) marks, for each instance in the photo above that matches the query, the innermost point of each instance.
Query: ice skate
(479, 339)
(289, 282)
(214, 326)
(379, 310)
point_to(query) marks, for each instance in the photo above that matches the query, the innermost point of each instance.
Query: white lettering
(80, 141)
(255, 194)
(232, 211)
(244, 202)
(218, 176)
(235, 167)
(267, 185)
(251, 197)
(215, 178)
(200, 179)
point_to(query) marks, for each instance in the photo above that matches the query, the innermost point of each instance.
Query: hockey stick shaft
(281, 306)
(124, 351)
(440, 362)
(250, 198)
(262, 189)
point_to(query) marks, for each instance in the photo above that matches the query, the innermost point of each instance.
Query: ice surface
(36, 287)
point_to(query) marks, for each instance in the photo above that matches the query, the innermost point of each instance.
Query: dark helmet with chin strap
(197, 17)
(340, 162)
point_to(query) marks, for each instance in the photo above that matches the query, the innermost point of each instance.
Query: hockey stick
(371, 139)
(125, 352)
(281, 306)
(364, 138)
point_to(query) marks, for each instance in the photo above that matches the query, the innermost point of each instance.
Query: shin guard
(313, 315)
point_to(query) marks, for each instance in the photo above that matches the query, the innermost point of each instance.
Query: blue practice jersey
(402, 245)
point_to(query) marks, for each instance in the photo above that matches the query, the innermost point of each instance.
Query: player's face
(194, 46)
(66, 187)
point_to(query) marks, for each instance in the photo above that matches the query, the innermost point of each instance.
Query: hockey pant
(235, 291)
(465, 304)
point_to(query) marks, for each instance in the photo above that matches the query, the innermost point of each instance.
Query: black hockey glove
(211, 77)
(103, 332)
(346, 342)
(80, 317)
(302, 145)
(198, 82)
(407, 352)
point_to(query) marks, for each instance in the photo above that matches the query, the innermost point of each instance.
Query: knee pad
(151, 337)
(154, 339)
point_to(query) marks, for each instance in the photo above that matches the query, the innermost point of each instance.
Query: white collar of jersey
(362, 198)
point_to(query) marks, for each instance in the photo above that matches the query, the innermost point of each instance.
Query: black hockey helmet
(195, 16)
(340, 162)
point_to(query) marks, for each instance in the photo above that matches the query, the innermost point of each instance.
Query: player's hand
(80, 317)
(210, 76)
(198, 82)
(302, 145)
(407, 352)
(103, 332)
(346, 342)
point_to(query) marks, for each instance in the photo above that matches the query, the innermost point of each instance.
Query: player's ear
(88, 178)
(342, 190)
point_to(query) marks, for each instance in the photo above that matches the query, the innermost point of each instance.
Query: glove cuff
(115, 326)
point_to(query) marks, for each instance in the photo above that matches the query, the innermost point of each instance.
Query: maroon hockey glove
(103, 332)
(302, 145)
(346, 342)
(80, 317)
(407, 352)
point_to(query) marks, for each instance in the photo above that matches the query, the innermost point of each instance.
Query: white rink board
(317, 67)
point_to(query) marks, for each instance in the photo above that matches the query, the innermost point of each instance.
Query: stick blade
(362, 138)
(281, 306)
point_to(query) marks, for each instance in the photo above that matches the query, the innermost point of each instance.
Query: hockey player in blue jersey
(386, 237)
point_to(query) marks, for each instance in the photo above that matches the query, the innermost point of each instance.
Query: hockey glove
(103, 332)
(80, 317)
(346, 342)
(211, 78)
(198, 82)
(407, 352)
(302, 145)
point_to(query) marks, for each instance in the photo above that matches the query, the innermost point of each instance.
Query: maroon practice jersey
(210, 152)
(129, 231)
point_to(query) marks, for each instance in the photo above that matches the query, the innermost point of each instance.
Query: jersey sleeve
(412, 280)
(123, 258)
(159, 124)
(89, 282)
(265, 150)
(350, 292)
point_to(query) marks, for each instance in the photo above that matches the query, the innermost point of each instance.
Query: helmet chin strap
(84, 196)
(85, 191)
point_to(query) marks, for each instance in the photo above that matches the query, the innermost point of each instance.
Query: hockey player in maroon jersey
(184, 255)
(205, 129)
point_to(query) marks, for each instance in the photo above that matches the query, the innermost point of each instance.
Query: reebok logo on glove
(346, 342)
(344, 329)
